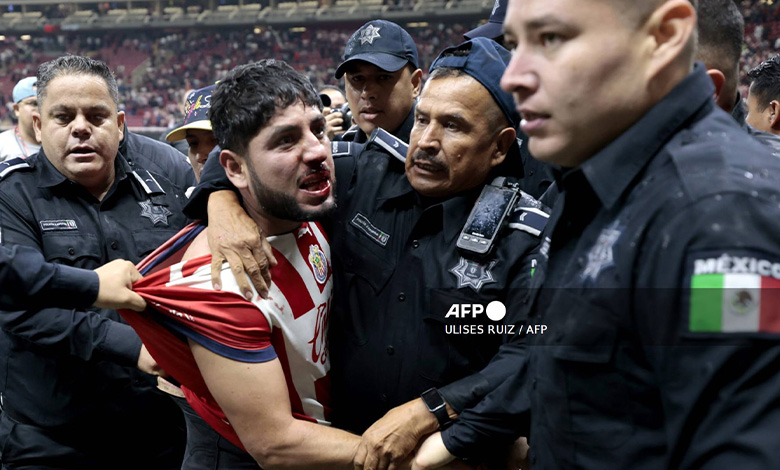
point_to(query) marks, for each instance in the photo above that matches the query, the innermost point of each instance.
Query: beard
(284, 206)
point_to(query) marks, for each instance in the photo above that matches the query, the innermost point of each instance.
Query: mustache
(421, 156)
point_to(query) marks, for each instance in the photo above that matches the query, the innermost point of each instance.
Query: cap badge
(369, 34)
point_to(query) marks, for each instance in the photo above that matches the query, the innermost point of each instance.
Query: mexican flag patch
(734, 303)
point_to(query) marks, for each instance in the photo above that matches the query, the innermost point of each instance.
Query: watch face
(432, 399)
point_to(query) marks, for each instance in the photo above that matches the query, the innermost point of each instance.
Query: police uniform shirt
(29, 281)
(76, 370)
(398, 276)
(638, 369)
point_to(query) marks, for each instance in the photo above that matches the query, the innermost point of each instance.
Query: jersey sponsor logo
(319, 344)
(318, 263)
(725, 264)
(156, 214)
(472, 274)
(362, 223)
(600, 255)
(58, 225)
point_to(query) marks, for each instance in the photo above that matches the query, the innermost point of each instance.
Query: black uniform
(398, 274)
(158, 157)
(28, 281)
(74, 397)
(637, 370)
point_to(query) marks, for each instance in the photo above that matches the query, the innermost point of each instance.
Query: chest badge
(154, 213)
(600, 255)
(472, 274)
(318, 263)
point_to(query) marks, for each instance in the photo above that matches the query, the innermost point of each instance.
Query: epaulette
(9, 166)
(529, 215)
(395, 146)
(340, 149)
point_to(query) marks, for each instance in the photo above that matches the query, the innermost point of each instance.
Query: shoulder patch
(340, 148)
(529, 215)
(392, 144)
(734, 291)
(14, 164)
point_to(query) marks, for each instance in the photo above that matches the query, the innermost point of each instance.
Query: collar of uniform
(612, 170)
(393, 189)
(739, 113)
(405, 131)
(50, 176)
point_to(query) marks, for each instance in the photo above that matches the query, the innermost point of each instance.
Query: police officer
(382, 78)
(398, 346)
(78, 393)
(662, 348)
(28, 281)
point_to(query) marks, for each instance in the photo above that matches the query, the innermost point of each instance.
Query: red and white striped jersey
(290, 325)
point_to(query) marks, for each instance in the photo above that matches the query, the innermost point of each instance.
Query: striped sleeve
(221, 321)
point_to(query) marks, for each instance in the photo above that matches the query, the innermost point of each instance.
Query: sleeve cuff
(121, 345)
(76, 287)
(465, 392)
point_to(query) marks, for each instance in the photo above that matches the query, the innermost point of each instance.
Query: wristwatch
(436, 405)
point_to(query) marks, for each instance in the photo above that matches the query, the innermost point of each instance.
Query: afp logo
(495, 311)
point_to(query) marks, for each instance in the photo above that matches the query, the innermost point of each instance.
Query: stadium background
(159, 49)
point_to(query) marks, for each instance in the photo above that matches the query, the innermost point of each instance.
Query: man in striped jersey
(255, 373)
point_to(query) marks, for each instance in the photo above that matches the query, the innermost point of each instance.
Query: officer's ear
(718, 79)
(670, 29)
(36, 116)
(774, 115)
(235, 168)
(416, 82)
(120, 122)
(504, 141)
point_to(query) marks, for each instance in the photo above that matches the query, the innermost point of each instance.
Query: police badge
(472, 274)
(154, 213)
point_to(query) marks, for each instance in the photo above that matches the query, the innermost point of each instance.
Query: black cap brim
(488, 30)
(386, 62)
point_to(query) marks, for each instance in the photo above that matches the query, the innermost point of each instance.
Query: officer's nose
(80, 127)
(429, 138)
(369, 90)
(520, 78)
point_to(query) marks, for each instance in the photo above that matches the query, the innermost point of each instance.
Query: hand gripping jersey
(290, 325)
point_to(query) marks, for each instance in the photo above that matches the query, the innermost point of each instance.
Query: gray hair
(75, 65)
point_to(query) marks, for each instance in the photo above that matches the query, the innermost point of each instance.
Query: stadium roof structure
(153, 13)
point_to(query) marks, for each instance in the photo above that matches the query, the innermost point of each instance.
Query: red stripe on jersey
(291, 285)
(769, 317)
(224, 317)
(322, 393)
(305, 240)
(190, 266)
(296, 406)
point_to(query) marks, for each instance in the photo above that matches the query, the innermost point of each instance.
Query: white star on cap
(369, 34)
(495, 7)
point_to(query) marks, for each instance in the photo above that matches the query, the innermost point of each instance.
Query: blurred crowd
(155, 70)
